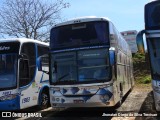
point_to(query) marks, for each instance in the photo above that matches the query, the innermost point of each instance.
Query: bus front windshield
(80, 34)
(85, 66)
(8, 66)
(154, 51)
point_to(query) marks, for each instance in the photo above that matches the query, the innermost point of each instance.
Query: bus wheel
(44, 100)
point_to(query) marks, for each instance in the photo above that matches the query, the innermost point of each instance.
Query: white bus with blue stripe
(22, 85)
(90, 64)
(152, 34)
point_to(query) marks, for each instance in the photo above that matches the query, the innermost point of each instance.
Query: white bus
(90, 64)
(22, 85)
(152, 33)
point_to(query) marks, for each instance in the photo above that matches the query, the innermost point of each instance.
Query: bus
(90, 64)
(22, 85)
(152, 35)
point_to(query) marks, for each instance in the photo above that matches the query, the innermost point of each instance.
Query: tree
(30, 18)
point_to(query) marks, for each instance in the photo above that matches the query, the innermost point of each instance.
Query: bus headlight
(8, 97)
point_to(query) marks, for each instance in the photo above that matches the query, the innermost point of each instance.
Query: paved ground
(137, 103)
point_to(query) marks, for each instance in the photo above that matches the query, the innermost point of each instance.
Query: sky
(125, 14)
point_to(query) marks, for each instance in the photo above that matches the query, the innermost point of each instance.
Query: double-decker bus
(90, 64)
(22, 85)
(152, 33)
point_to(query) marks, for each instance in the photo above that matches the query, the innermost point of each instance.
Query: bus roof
(23, 40)
(82, 19)
(152, 2)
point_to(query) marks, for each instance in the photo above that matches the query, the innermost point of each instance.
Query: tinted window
(152, 12)
(81, 66)
(43, 53)
(24, 72)
(42, 50)
(28, 51)
(91, 33)
(8, 70)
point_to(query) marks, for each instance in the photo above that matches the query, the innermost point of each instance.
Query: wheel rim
(44, 99)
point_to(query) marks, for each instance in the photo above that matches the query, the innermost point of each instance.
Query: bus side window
(23, 73)
(43, 50)
(29, 59)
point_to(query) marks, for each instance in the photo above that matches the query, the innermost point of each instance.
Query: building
(130, 37)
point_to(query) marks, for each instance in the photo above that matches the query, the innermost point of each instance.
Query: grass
(143, 81)
(141, 69)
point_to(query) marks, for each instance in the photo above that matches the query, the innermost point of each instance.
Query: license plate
(78, 101)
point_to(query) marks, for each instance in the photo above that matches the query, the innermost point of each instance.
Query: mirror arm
(47, 72)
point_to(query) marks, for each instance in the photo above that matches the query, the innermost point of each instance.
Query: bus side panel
(30, 95)
(124, 76)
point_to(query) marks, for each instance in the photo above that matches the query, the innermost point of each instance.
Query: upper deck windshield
(152, 19)
(8, 64)
(80, 34)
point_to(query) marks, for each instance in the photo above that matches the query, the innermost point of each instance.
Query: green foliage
(141, 68)
(138, 58)
(144, 79)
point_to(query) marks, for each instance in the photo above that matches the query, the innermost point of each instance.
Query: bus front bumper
(74, 105)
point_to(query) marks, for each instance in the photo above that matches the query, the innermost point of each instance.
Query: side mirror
(112, 56)
(22, 56)
(43, 63)
(55, 67)
(39, 64)
(139, 40)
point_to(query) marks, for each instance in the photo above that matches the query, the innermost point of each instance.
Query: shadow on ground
(148, 107)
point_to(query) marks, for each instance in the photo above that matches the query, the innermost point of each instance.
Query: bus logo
(6, 114)
(4, 48)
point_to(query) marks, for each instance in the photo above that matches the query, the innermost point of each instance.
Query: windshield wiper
(64, 76)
